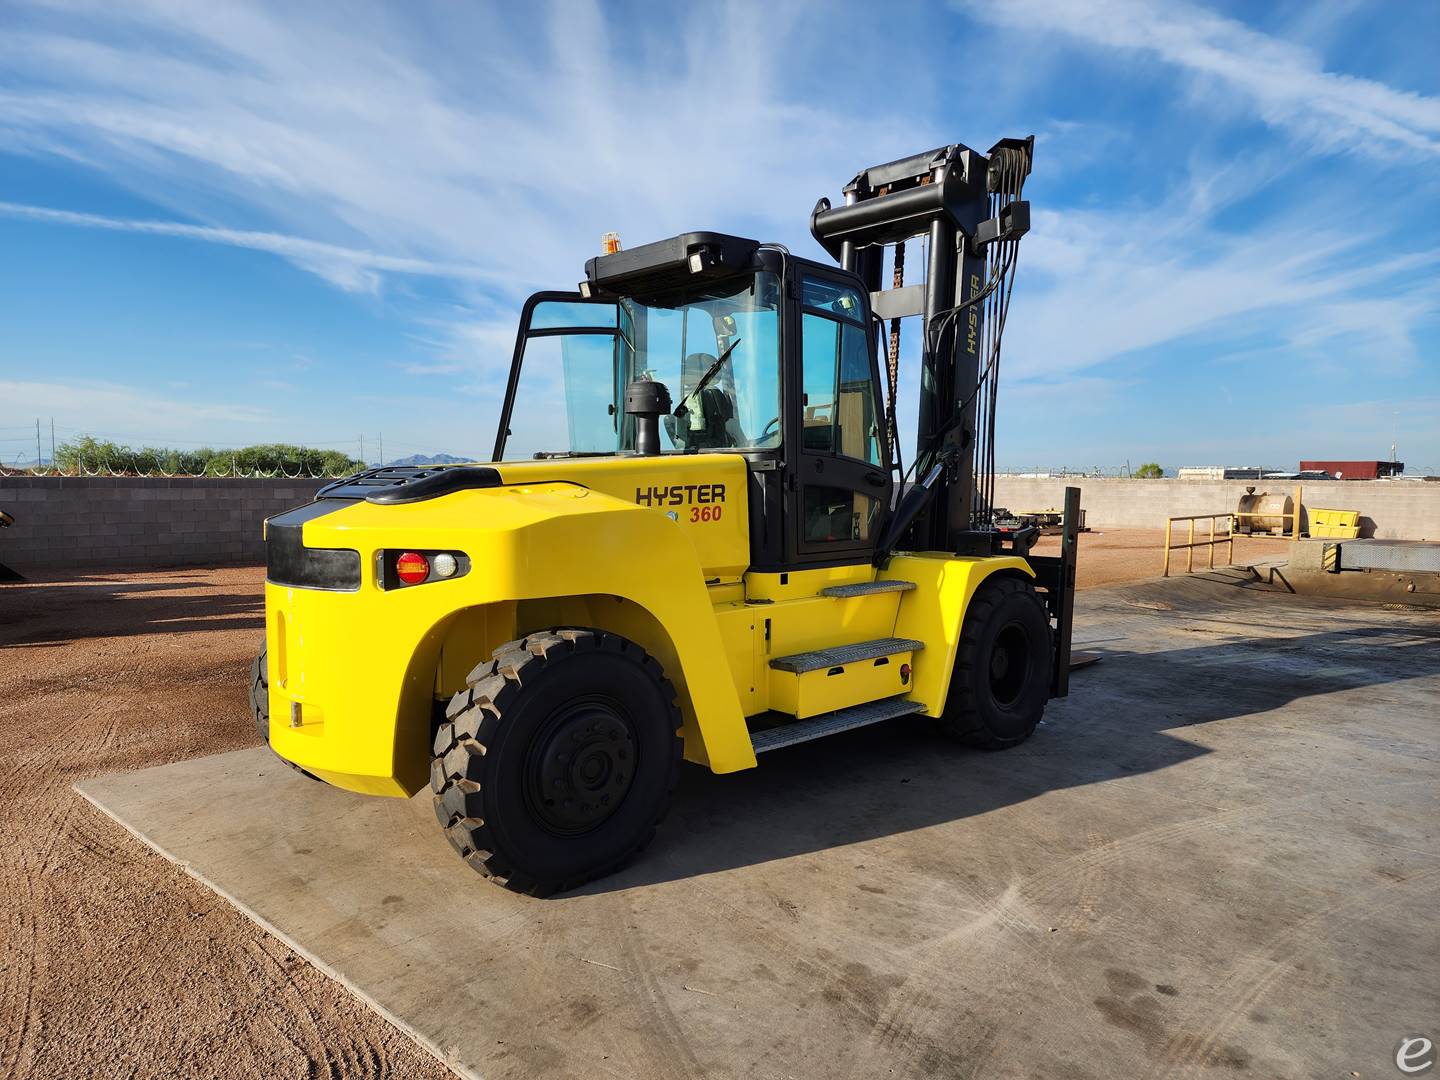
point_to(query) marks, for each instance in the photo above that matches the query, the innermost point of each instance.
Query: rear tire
(1003, 663)
(556, 763)
(260, 692)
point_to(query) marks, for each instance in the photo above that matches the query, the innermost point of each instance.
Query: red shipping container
(1356, 470)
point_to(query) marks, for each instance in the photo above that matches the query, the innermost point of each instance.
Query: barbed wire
(275, 461)
(305, 463)
(220, 464)
(138, 468)
(1065, 470)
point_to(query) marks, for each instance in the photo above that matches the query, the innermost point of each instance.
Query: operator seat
(709, 421)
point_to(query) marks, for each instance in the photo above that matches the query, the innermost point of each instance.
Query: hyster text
(680, 494)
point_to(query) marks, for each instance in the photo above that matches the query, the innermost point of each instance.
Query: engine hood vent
(408, 484)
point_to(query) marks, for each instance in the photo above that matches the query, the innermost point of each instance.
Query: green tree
(1149, 471)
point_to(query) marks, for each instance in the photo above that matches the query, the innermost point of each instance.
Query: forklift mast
(967, 208)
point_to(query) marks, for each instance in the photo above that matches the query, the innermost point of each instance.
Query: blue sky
(229, 223)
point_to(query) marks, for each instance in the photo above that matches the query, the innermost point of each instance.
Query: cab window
(836, 514)
(835, 300)
(838, 395)
(716, 348)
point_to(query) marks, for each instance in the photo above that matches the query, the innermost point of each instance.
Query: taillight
(412, 568)
(397, 568)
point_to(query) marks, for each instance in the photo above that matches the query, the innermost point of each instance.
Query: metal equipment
(1403, 556)
(1264, 512)
(1049, 522)
(697, 537)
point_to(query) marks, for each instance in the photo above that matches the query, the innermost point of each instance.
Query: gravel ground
(112, 961)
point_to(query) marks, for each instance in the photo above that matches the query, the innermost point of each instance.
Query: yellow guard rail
(1227, 537)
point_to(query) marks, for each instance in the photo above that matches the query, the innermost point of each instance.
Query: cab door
(567, 369)
(842, 481)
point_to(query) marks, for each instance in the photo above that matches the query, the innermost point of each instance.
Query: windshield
(569, 397)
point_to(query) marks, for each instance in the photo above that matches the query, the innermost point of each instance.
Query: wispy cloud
(1100, 284)
(1286, 82)
(375, 133)
(475, 153)
(349, 268)
(109, 407)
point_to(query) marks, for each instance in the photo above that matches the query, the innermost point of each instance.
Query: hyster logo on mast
(680, 494)
(973, 323)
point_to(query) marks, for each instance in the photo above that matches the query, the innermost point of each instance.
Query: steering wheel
(771, 426)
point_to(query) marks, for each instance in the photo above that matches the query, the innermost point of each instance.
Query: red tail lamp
(412, 568)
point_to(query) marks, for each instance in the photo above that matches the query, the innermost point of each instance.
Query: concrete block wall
(1392, 510)
(139, 522)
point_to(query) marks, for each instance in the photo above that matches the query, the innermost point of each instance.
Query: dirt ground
(112, 961)
(1114, 556)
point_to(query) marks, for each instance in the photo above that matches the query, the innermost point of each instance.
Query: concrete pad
(1221, 853)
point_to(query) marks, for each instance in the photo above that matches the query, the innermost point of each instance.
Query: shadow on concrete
(97, 607)
(1124, 717)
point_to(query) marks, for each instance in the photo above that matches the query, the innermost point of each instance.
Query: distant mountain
(433, 459)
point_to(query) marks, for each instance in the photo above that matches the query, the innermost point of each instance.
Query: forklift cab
(762, 354)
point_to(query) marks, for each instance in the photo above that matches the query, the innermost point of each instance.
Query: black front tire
(555, 764)
(1003, 664)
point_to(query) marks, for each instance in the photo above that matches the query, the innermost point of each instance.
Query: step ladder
(857, 716)
(840, 655)
(842, 687)
(865, 588)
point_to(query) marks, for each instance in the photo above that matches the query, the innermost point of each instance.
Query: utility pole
(52, 442)
(381, 462)
(37, 444)
(362, 451)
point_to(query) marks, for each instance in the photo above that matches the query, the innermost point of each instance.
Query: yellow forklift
(696, 539)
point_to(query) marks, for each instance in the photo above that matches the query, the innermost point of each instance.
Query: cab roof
(666, 265)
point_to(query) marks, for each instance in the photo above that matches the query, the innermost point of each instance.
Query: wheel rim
(1009, 664)
(581, 765)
